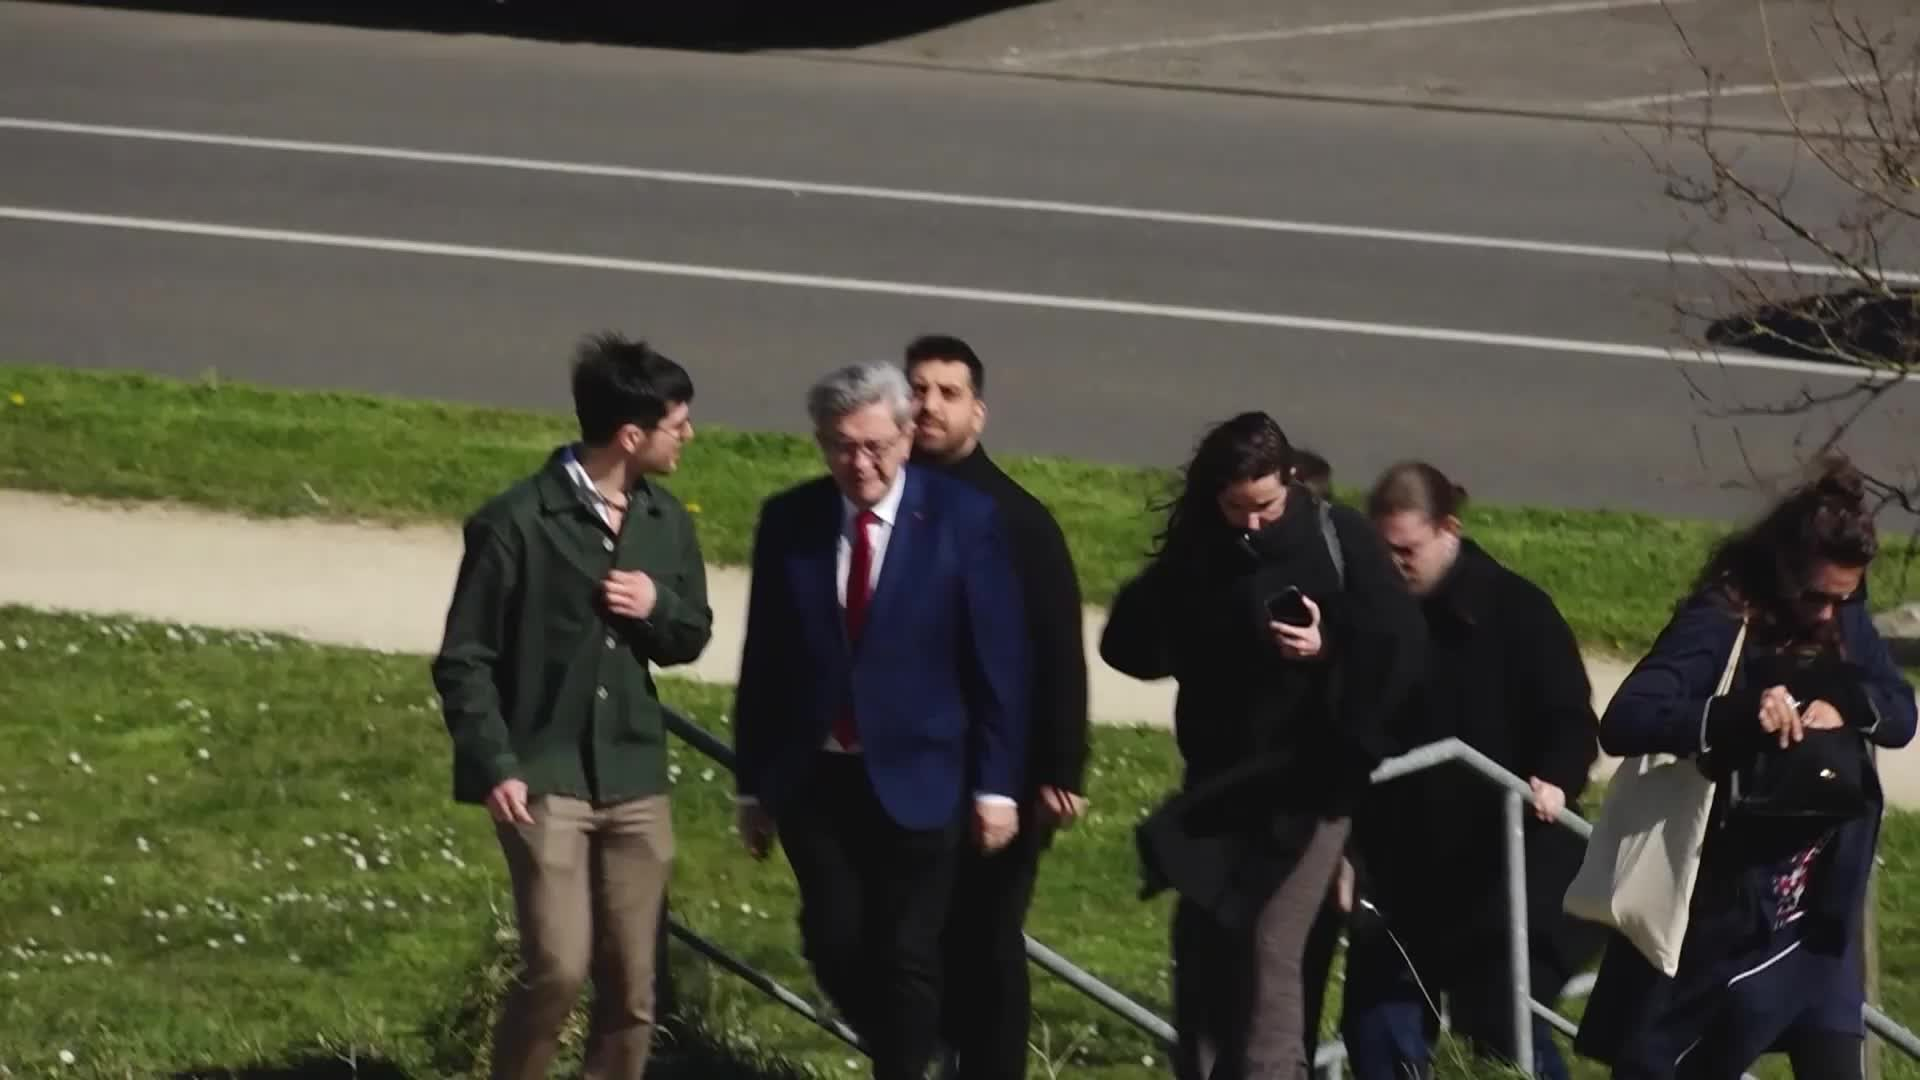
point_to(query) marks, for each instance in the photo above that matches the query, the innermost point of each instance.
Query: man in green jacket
(573, 582)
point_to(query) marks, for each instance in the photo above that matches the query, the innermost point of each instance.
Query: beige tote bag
(1644, 856)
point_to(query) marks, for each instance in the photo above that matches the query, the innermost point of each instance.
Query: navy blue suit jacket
(939, 680)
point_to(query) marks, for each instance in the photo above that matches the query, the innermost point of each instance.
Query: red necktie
(859, 591)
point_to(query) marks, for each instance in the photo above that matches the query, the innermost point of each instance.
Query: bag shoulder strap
(1337, 553)
(1733, 660)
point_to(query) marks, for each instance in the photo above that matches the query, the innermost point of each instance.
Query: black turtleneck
(1057, 736)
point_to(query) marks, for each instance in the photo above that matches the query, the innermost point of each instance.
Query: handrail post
(1519, 954)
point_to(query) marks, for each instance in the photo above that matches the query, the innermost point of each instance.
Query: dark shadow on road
(707, 25)
(1832, 328)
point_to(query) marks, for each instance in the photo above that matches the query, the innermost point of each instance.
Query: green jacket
(537, 679)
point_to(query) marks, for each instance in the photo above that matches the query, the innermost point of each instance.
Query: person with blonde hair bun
(1503, 675)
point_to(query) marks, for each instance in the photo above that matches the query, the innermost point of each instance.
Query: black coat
(1057, 733)
(1504, 675)
(1269, 743)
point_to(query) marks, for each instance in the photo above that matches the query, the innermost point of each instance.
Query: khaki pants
(587, 888)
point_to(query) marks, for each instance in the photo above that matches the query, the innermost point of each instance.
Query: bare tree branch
(1855, 210)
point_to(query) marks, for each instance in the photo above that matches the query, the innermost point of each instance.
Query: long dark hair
(1246, 447)
(1763, 569)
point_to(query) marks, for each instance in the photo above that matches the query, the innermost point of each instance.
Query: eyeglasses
(848, 450)
(1819, 598)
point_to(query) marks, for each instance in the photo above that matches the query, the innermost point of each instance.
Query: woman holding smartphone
(1291, 638)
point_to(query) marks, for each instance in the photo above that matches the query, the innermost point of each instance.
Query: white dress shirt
(878, 533)
(589, 491)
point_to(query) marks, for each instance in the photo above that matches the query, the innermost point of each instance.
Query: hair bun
(1840, 482)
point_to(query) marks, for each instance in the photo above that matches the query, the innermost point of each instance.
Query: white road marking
(1739, 90)
(941, 198)
(737, 275)
(1404, 22)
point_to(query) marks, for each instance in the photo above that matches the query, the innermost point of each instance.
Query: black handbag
(1824, 776)
(1828, 775)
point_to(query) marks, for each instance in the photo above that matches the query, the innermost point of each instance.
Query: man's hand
(1059, 806)
(1548, 799)
(507, 803)
(1299, 642)
(1343, 885)
(995, 823)
(629, 593)
(756, 829)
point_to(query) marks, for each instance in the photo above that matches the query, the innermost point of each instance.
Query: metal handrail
(1452, 749)
(1892, 1031)
(765, 984)
(1516, 793)
(705, 742)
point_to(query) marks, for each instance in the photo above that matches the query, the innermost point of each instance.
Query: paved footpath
(386, 588)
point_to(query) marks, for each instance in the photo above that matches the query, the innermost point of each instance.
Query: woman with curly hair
(1771, 959)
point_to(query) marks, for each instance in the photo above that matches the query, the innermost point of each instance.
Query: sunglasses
(1817, 598)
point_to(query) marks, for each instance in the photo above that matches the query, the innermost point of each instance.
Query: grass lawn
(272, 452)
(306, 891)
(233, 850)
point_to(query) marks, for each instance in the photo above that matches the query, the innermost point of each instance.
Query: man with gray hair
(880, 717)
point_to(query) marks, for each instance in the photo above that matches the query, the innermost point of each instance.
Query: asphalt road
(1604, 59)
(1533, 375)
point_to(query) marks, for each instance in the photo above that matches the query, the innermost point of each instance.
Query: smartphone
(1290, 607)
